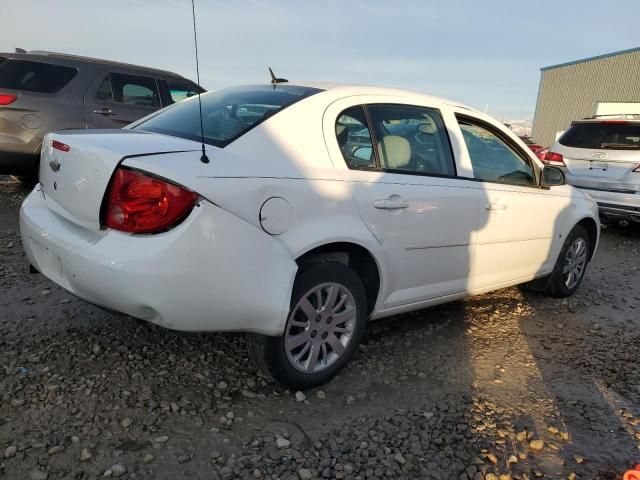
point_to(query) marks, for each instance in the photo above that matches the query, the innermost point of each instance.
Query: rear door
(117, 99)
(403, 175)
(602, 154)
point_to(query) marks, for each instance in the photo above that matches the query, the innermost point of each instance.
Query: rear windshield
(34, 76)
(226, 114)
(603, 136)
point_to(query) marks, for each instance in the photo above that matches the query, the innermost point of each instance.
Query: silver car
(602, 157)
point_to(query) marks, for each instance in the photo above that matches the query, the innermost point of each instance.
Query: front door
(518, 220)
(404, 184)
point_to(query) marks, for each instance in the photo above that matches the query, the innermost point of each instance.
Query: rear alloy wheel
(571, 264)
(326, 321)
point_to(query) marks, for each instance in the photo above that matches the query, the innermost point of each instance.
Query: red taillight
(137, 203)
(553, 158)
(541, 153)
(63, 147)
(7, 98)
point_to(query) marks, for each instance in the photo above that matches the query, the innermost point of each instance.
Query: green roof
(589, 59)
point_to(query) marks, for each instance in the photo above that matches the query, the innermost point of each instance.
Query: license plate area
(48, 262)
(598, 166)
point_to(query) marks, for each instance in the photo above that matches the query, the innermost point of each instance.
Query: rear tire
(327, 317)
(571, 264)
(27, 180)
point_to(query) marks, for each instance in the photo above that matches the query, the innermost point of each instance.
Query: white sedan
(319, 209)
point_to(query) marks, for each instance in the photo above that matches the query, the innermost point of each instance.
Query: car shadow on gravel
(585, 350)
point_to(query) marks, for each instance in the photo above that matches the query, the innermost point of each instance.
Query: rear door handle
(104, 111)
(495, 206)
(391, 204)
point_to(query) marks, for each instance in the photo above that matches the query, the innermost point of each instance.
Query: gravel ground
(506, 385)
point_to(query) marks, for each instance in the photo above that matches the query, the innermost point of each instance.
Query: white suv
(602, 157)
(314, 210)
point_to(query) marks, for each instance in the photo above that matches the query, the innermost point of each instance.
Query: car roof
(622, 117)
(42, 55)
(347, 89)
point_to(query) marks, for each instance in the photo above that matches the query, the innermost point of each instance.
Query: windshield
(227, 114)
(611, 135)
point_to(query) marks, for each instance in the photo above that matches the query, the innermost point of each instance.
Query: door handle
(104, 111)
(495, 206)
(391, 204)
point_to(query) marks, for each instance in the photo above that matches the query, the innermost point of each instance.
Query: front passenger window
(179, 91)
(492, 159)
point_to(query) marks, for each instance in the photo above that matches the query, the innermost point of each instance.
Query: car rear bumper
(616, 204)
(213, 272)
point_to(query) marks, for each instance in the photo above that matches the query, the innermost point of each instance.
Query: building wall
(571, 91)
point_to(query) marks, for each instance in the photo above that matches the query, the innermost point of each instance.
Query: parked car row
(44, 91)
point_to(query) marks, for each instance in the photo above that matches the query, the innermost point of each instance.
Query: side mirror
(363, 153)
(552, 176)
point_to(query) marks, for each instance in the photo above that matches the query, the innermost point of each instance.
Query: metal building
(605, 84)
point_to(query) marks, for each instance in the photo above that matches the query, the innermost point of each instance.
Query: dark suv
(45, 91)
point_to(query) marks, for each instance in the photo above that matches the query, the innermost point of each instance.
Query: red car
(533, 146)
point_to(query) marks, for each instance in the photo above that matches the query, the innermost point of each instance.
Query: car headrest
(395, 151)
(427, 128)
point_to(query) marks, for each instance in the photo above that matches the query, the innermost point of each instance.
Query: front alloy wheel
(571, 265)
(326, 321)
(574, 263)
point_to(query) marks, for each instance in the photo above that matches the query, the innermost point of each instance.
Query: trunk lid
(74, 181)
(607, 169)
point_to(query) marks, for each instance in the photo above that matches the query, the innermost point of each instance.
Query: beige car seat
(395, 152)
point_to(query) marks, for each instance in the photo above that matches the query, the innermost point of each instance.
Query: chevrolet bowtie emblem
(55, 165)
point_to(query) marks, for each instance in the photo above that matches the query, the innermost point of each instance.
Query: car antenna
(203, 158)
(275, 80)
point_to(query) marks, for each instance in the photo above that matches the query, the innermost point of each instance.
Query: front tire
(571, 265)
(327, 317)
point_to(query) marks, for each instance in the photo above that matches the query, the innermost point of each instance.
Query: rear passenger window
(492, 159)
(134, 90)
(411, 139)
(104, 91)
(354, 138)
(34, 76)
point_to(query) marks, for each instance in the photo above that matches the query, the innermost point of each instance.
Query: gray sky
(477, 52)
